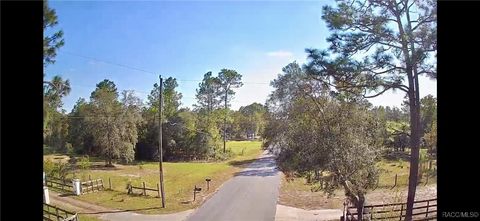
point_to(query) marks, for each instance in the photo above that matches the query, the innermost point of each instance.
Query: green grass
(401, 168)
(180, 179)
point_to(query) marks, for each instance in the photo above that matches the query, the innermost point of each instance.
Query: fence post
(109, 183)
(371, 213)
(158, 190)
(428, 205)
(194, 192)
(89, 177)
(395, 184)
(401, 212)
(144, 192)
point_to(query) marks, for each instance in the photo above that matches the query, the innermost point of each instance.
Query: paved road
(250, 195)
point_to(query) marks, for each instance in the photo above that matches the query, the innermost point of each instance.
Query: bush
(84, 163)
(48, 150)
(49, 167)
(219, 155)
(69, 149)
(56, 169)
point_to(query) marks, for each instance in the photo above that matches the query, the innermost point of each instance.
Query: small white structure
(46, 197)
(76, 187)
(44, 179)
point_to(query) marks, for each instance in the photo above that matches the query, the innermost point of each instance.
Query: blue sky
(185, 39)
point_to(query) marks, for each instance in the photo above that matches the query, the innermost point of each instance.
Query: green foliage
(84, 163)
(208, 93)
(49, 167)
(114, 127)
(315, 130)
(69, 149)
(51, 43)
(55, 127)
(56, 169)
(428, 111)
(431, 139)
(228, 79)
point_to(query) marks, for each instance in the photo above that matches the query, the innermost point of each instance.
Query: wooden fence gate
(91, 186)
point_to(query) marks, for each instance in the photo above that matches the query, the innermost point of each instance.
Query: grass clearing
(180, 178)
(299, 194)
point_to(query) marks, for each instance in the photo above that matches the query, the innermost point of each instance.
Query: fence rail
(91, 186)
(58, 183)
(144, 189)
(421, 211)
(53, 213)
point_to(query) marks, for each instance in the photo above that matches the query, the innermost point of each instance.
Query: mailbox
(208, 183)
(195, 190)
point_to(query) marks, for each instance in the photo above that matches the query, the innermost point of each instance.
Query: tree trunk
(225, 124)
(360, 204)
(414, 153)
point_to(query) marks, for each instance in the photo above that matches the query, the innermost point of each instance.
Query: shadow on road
(254, 163)
(262, 172)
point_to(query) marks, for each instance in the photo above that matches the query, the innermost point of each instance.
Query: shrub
(219, 155)
(49, 167)
(84, 163)
(69, 149)
(56, 169)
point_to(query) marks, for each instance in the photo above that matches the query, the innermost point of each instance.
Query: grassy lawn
(180, 179)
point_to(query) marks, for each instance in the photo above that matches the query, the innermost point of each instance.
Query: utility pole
(160, 153)
(225, 124)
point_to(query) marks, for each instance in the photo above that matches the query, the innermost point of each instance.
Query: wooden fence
(144, 189)
(422, 210)
(91, 186)
(53, 213)
(57, 183)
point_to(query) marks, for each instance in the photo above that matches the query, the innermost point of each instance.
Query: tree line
(120, 126)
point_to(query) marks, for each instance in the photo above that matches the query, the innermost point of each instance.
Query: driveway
(250, 195)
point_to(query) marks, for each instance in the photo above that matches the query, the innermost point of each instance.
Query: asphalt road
(250, 195)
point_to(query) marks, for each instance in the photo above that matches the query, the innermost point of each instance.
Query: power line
(108, 62)
(142, 70)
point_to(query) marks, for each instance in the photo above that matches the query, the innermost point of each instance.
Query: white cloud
(280, 54)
